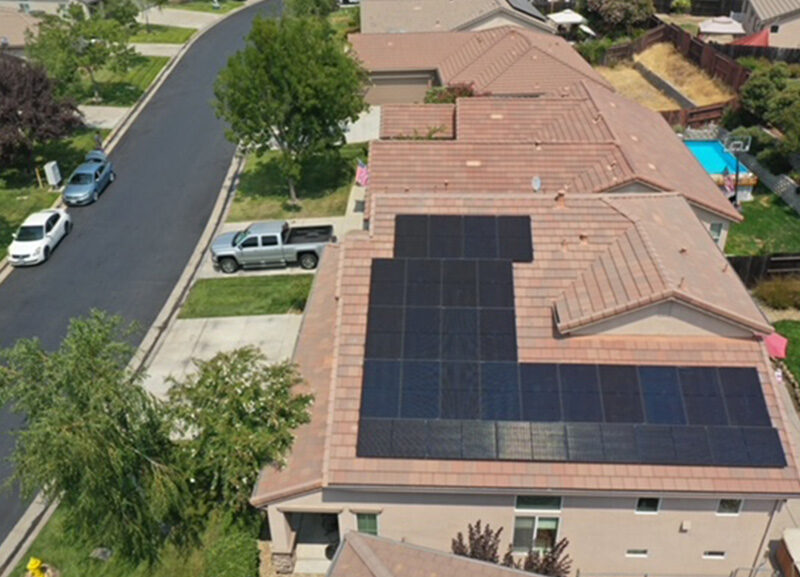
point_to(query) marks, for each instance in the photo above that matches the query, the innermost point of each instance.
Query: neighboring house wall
(390, 88)
(788, 34)
(716, 225)
(497, 20)
(600, 528)
(668, 318)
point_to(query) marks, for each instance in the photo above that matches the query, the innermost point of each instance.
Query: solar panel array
(442, 381)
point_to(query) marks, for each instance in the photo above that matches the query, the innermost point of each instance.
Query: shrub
(448, 94)
(795, 176)
(681, 6)
(774, 159)
(594, 51)
(234, 553)
(759, 140)
(779, 292)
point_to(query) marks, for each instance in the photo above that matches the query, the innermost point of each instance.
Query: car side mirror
(14, 236)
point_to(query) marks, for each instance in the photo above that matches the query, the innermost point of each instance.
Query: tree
(30, 114)
(122, 11)
(237, 413)
(450, 93)
(618, 13)
(554, 562)
(292, 86)
(482, 543)
(95, 439)
(762, 86)
(305, 8)
(73, 42)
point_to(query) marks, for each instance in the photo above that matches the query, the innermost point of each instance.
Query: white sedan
(38, 237)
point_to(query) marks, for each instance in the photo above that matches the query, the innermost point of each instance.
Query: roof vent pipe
(559, 198)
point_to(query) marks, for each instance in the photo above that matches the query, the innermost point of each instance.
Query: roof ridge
(567, 64)
(367, 555)
(496, 35)
(651, 250)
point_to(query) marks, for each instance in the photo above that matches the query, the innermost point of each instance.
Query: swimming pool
(714, 158)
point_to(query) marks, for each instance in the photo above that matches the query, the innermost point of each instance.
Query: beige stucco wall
(788, 35)
(387, 88)
(600, 528)
(504, 19)
(707, 217)
(668, 318)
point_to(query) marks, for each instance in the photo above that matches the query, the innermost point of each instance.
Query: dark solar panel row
(509, 391)
(463, 237)
(579, 442)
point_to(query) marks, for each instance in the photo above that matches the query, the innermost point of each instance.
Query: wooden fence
(752, 269)
(791, 55)
(704, 7)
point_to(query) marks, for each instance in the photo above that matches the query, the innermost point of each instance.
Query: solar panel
(743, 397)
(728, 447)
(424, 286)
(655, 444)
(702, 396)
(444, 439)
(622, 400)
(619, 443)
(460, 391)
(383, 345)
(691, 446)
(409, 439)
(584, 442)
(374, 438)
(514, 441)
(549, 442)
(499, 391)
(662, 395)
(580, 393)
(478, 440)
(496, 288)
(419, 393)
(539, 391)
(380, 395)
(514, 236)
(459, 283)
(764, 447)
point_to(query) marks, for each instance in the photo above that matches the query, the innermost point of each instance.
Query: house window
(716, 231)
(713, 554)
(537, 533)
(648, 505)
(639, 553)
(367, 523)
(538, 503)
(729, 506)
(775, 28)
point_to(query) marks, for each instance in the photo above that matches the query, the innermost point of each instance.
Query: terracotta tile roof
(657, 260)
(405, 121)
(438, 15)
(637, 144)
(569, 236)
(506, 61)
(361, 555)
(13, 25)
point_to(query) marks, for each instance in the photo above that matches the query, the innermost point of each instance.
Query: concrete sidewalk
(189, 339)
(184, 18)
(103, 116)
(148, 49)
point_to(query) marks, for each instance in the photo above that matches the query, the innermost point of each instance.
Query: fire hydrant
(36, 568)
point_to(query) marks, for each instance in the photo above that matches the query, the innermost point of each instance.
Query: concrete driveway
(189, 339)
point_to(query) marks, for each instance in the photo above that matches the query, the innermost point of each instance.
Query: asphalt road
(128, 250)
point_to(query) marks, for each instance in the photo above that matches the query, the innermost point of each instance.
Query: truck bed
(309, 234)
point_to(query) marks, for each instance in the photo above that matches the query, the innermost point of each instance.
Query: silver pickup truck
(268, 244)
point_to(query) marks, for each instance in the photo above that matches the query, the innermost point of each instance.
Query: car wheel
(228, 265)
(46, 254)
(67, 228)
(94, 196)
(308, 260)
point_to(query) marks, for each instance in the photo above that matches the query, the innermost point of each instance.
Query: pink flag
(362, 174)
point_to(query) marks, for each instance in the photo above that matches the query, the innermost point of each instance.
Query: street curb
(41, 513)
(130, 116)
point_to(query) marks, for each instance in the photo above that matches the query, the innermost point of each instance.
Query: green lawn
(221, 546)
(19, 191)
(159, 34)
(770, 226)
(122, 89)
(323, 190)
(207, 6)
(255, 295)
(791, 330)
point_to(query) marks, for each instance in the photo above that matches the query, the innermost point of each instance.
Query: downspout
(775, 507)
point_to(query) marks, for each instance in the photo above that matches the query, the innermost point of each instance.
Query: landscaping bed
(691, 81)
(630, 83)
(160, 34)
(324, 189)
(224, 550)
(246, 296)
(770, 226)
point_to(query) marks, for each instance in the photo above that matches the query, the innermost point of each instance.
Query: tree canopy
(303, 8)
(292, 86)
(30, 113)
(616, 14)
(237, 414)
(95, 439)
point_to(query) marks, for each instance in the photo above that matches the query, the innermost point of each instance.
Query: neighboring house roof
(361, 555)
(758, 39)
(771, 9)
(589, 140)
(13, 25)
(412, 121)
(669, 265)
(721, 25)
(570, 234)
(392, 16)
(503, 61)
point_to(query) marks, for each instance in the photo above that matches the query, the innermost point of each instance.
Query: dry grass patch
(694, 83)
(629, 82)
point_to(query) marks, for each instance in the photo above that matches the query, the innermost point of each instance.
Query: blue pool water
(713, 156)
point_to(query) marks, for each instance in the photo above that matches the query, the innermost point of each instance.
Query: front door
(271, 250)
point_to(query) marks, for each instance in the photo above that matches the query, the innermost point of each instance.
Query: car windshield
(30, 233)
(81, 178)
(240, 236)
